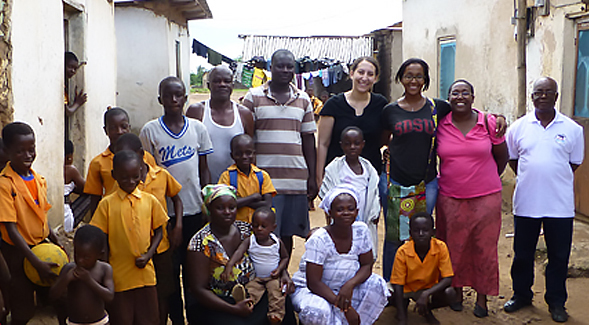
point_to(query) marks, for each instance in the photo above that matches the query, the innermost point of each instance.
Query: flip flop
(238, 293)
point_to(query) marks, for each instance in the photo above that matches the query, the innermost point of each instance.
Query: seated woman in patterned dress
(209, 251)
(335, 284)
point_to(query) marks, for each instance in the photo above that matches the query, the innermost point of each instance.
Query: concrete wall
(37, 84)
(485, 46)
(552, 51)
(146, 53)
(37, 40)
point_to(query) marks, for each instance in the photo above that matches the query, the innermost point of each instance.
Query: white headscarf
(342, 188)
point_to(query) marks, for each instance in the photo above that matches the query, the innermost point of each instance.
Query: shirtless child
(88, 281)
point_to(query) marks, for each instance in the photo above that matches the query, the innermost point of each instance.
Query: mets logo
(171, 156)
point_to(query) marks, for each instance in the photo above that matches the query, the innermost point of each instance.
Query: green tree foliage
(196, 78)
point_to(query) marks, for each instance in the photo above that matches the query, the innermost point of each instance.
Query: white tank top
(265, 258)
(221, 136)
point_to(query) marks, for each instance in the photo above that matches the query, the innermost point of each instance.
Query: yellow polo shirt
(129, 220)
(99, 180)
(414, 274)
(246, 186)
(18, 206)
(160, 183)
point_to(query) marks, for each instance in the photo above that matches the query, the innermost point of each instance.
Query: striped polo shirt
(279, 149)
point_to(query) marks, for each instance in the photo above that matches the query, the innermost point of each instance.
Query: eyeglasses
(409, 77)
(458, 93)
(539, 93)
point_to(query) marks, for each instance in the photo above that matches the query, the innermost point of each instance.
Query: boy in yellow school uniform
(133, 221)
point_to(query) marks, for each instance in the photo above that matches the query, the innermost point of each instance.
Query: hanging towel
(246, 76)
(214, 57)
(199, 48)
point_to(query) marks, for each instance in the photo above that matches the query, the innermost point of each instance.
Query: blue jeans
(390, 248)
(558, 234)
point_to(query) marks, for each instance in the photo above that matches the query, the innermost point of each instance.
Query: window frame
(580, 26)
(444, 41)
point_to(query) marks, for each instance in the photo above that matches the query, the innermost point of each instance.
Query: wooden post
(521, 57)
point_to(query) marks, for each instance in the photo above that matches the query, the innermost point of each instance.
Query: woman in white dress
(335, 284)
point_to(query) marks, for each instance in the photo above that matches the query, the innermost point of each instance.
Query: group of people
(218, 191)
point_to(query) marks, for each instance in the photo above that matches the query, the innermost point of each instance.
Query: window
(582, 80)
(447, 61)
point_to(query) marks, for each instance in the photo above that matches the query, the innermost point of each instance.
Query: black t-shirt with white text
(412, 140)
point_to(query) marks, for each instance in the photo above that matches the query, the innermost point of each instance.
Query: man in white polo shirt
(545, 149)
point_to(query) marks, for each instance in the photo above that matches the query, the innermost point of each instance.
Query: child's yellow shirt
(18, 205)
(246, 186)
(129, 221)
(99, 180)
(160, 183)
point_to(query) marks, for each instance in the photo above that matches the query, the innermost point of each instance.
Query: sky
(287, 18)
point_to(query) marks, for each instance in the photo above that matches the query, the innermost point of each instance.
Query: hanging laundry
(338, 73)
(345, 68)
(325, 77)
(306, 75)
(330, 71)
(215, 58)
(268, 75)
(259, 77)
(246, 76)
(238, 71)
(199, 48)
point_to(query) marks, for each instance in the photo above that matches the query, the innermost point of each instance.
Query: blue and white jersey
(179, 154)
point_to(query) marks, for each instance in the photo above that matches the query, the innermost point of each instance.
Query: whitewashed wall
(146, 53)
(37, 84)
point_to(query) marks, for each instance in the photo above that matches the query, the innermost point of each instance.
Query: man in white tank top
(223, 119)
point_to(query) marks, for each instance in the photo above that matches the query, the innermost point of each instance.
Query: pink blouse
(467, 167)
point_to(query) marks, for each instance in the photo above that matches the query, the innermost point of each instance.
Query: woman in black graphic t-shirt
(411, 123)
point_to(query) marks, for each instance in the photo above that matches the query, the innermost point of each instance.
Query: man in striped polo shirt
(285, 145)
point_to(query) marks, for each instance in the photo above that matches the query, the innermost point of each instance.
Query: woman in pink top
(469, 200)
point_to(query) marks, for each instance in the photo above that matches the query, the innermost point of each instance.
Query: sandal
(238, 293)
(480, 312)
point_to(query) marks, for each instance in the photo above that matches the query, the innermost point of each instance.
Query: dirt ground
(578, 287)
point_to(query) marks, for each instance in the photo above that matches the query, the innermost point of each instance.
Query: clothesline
(214, 57)
(250, 76)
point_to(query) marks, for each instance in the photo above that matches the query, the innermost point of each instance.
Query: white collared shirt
(545, 179)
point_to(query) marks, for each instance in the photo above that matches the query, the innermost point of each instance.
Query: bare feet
(431, 319)
(352, 317)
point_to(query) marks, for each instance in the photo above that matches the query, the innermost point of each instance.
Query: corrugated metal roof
(342, 48)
